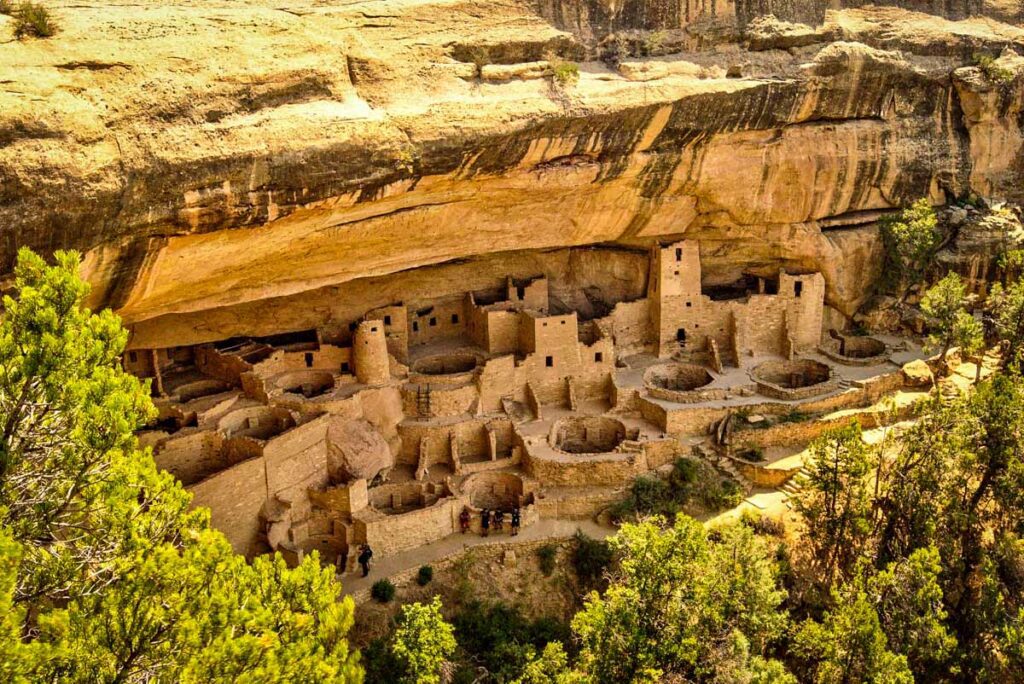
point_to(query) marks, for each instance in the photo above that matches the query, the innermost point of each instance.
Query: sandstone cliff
(253, 167)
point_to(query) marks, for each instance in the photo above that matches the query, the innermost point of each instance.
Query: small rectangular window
(387, 320)
(344, 366)
(433, 320)
(598, 357)
(798, 288)
(679, 253)
(309, 359)
(373, 329)
(455, 318)
(689, 305)
(549, 361)
(676, 273)
(415, 326)
(563, 322)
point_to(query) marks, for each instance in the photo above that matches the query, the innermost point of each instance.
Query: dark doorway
(681, 337)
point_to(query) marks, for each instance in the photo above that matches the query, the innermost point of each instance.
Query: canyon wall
(239, 168)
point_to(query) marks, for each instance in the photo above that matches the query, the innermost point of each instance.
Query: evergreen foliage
(423, 642)
(910, 239)
(105, 575)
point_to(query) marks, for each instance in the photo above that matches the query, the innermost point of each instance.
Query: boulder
(355, 450)
(917, 374)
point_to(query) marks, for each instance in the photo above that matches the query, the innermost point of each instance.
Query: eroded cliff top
(206, 155)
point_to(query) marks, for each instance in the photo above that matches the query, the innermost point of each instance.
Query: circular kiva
(308, 383)
(588, 434)
(861, 347)
(446, 364)
(678, 377)
(256, 422)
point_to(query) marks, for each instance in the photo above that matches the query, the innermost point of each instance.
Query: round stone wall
(307, 383)
(200, 388)
(257, 422)
(863, 347)
(678, 377)
(445, 364)
(795, 379)
(587, 434)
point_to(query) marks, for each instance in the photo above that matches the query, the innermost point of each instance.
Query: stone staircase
(793, 486)
(725, 465)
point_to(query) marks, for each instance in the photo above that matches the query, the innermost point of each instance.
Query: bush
(794, 416)
(33, 21)
(546, 556)
(590, 558)
(689, 482)
(425, 575)
(722, 494)
(380, 663)
(382, 590)
(564, 73)
(761, 524)
(500, 638)
(993, 72)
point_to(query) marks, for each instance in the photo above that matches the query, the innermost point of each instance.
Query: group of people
(489, 519)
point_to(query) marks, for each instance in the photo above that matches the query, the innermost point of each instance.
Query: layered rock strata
(221, 162)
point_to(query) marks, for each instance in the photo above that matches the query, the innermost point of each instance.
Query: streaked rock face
(252, 168)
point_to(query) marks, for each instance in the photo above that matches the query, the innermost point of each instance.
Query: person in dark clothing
(499, 520)
(343, 561)
(515, 521)
(464, 519)
(364, 559)
(485, 522)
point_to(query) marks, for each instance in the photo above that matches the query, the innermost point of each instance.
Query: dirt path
(549, 528)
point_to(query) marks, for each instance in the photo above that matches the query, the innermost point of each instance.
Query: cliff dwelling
(382, 429)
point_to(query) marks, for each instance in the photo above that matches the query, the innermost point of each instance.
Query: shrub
(753, 454)
(794, 416)
(653, 43)
(425, 574)
(590, 558)
(993, 72)
(382, 590)
(380, 663)
(762, 524)
(32, 20)
(689, 482)
(546, 556)
(564, 73)
(724, 493)
(499, 637)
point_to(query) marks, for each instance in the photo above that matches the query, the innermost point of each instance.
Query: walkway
(454, 544)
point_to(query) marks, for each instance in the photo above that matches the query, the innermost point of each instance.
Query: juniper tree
(105, 573)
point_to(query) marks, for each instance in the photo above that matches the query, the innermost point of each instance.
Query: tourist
(515, 521)
(464, 519)
(485, 522)
(364, 559)
(343, 560)
(499, 520)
